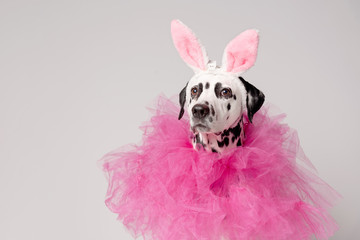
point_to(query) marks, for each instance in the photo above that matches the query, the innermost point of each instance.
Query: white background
(76, 77)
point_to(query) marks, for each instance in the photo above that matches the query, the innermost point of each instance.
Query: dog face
(213, 101)
(216, 101)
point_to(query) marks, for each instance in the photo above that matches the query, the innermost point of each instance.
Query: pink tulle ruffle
(163, 189)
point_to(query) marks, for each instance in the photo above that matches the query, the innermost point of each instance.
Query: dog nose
(200, 111)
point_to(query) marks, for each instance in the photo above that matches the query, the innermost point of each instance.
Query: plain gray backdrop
(76, 77)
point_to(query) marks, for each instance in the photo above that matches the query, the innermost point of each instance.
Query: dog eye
(194, 91)
(226, 92)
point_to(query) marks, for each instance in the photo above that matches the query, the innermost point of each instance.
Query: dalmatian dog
(216, 98)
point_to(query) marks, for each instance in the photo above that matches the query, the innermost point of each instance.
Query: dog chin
(199, 127)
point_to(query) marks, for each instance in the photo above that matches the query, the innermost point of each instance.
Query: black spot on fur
(228, 106)
(206, 102)
(236, 130)
(213, 150)
(233, 139)
(212, 110)
(210, 119)
(207, 85)
(197, 138)
(217, 89)
(234, 97)
(200, 90)
(227, 117)
(238, 143)
(226, 141)
(225, 133)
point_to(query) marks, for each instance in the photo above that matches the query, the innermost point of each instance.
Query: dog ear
(240, 53)
(182, 100)
(188, 46)
(254, 99)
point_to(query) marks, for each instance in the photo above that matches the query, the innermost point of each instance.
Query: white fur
(228, 80)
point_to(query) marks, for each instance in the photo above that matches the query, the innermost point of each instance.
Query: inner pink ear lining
(189, 50)
(188, 45)
(240, 53)
(197, 62)
(231, 60)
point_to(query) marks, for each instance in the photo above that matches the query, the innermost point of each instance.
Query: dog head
(216, 97)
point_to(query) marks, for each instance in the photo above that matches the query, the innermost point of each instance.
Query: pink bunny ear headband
(239, 55)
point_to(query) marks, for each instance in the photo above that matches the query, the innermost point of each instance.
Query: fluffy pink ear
(188, 46)
(240, 53)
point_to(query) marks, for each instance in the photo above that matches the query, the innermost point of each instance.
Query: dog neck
(220, 142)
